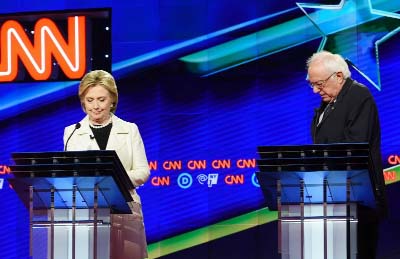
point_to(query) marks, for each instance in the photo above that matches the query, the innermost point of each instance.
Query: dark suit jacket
(352, 118)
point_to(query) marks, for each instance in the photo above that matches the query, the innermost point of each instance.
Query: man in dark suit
(348, 114)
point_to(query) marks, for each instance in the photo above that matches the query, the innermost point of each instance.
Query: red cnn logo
(48, 42)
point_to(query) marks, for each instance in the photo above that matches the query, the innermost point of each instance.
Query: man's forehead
(316, 71)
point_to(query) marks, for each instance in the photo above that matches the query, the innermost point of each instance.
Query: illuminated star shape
(355, 29)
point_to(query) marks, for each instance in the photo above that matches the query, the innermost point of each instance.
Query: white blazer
(124, 138)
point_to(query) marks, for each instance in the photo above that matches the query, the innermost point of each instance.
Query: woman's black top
(101, 135)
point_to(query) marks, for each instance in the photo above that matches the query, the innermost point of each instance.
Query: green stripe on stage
(231, 226)
(212, 232)
(392, 174)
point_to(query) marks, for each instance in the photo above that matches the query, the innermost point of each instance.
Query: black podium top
(314, 164)
(63, 170)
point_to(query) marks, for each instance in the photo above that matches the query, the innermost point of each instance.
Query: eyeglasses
(321, 83)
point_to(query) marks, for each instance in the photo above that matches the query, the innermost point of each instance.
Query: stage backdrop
(206, 82)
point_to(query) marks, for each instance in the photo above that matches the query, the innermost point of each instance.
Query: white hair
(332, 62)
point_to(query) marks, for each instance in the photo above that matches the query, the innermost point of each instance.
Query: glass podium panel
(315, 235)
(70, 239)
(316, 190)
(70, 197)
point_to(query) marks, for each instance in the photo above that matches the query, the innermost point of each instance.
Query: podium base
(63, 238)
(315, 234)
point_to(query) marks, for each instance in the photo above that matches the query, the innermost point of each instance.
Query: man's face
(324, 83)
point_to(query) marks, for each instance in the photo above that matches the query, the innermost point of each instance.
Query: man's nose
(316, 90)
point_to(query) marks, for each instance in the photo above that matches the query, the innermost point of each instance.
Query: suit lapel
(118, 135)
(327, 111)
(85, 134)
(116, 140)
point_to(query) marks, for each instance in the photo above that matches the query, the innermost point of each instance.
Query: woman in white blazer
(100, 129)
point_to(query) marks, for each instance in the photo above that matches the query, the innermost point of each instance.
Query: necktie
(325, 112)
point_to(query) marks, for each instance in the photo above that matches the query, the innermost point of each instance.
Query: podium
(70, 197)
(316, 190)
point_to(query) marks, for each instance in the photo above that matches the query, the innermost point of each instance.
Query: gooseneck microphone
(77, 126)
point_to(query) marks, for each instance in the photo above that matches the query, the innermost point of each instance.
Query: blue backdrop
(206, 82)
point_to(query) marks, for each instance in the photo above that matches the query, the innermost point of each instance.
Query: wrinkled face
(97, 103)
(324, 83)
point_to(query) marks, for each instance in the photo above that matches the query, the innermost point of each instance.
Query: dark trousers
(367, 232)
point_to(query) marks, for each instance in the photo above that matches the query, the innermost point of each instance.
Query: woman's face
(98, 102)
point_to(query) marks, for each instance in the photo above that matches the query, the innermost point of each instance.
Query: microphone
(91, 137)
(77, 126)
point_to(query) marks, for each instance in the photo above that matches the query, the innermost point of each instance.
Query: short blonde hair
(102, 78)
